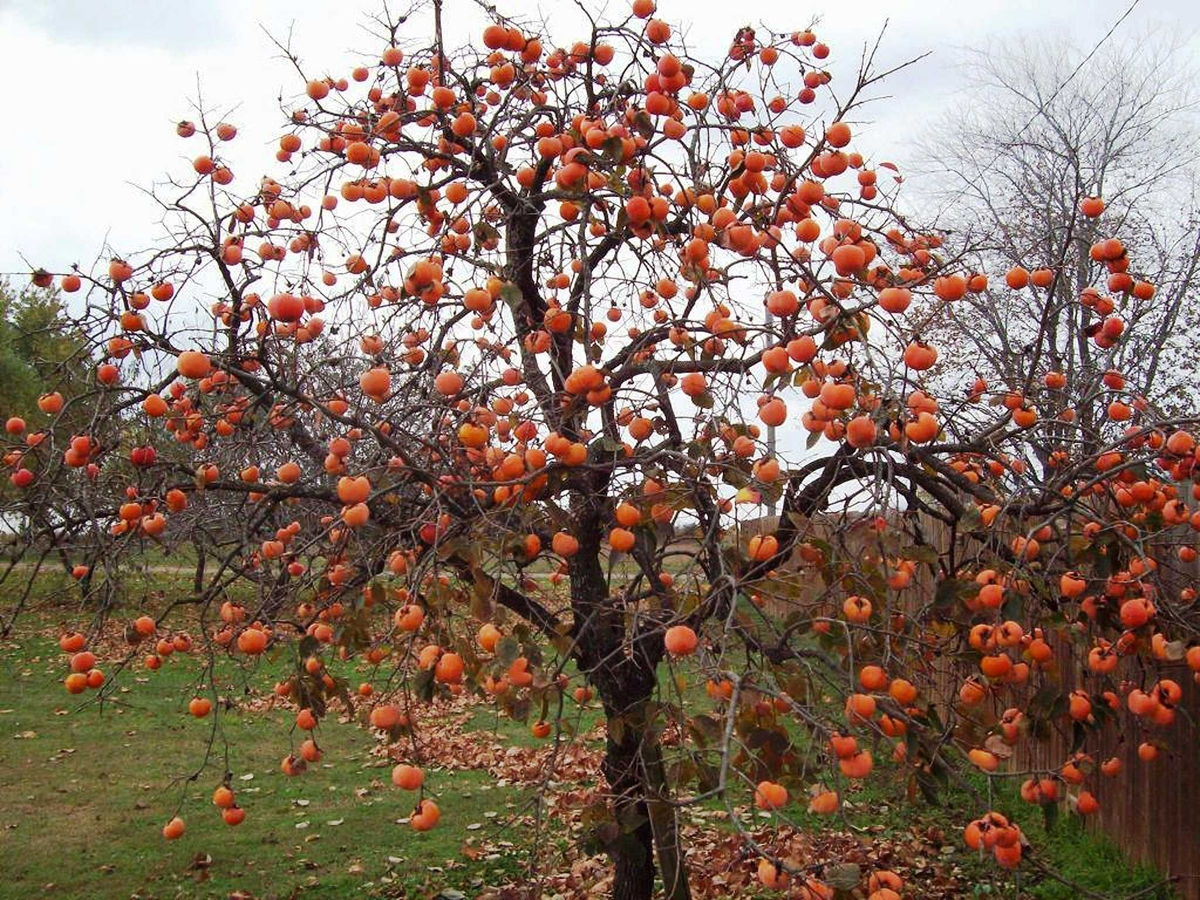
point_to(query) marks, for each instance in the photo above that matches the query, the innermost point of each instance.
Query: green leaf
(511, 294)
(708, 776)
(972, 519)
(378, 592)
(610, 445)
(922, 553)
(1043, 704)
(1078, 735)
(613, 149)
(562, 643)
(1013, 606)
(929, 788)
(948, 593)
(518, 710)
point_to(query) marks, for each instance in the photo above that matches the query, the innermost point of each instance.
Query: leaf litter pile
(566, 788)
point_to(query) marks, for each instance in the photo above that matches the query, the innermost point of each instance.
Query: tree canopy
(539, 368)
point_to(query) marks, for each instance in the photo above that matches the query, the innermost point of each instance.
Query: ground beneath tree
(556, 788)
(722, 862)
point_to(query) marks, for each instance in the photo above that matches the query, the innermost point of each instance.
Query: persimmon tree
(492, 383)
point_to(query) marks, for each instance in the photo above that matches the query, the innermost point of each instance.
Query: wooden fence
(1152, 811)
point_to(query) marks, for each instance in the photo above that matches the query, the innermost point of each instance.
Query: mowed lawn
(84, 792)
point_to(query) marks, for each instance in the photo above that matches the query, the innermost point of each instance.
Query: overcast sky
(93, 88)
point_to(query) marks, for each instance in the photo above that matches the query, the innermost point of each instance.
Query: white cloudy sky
(93, 88)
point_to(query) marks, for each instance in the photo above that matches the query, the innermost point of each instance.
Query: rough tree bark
(623, 669)
(632, 850)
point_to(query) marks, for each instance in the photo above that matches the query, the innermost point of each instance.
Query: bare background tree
(1042, 119)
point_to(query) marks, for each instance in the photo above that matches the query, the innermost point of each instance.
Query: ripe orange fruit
(174, 829)
(1016, 278)
(376, 383)
(489, 635)
(193, 364)
(919, 356)
(1087, 803)
(51, 403)
(861, 431)
(449, 668)
(448, 383)
(305, 719)
(773, 413)
(763, 547)
(772, 877)
(426, 816)
(564, 544)
(628, 515)
(838, 134)
(856, 609)
(233, 815)
(872, 678)
(72, 642)
(252, 641)
(76, 683)
(857, 766)
(386, 717)
(680, 640)
(824, 803)
(769, 795)
(199, 707)
(409, 618)
(223, 797)
(895, 300)
(408, 778)
(357, 515)
(902, 691)
(353, 490)
(621, 540)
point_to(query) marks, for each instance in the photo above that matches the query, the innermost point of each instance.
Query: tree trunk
(624, 670)
(632, 849)
(634, 768)
(671, 864)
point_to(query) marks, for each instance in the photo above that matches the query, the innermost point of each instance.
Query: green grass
(84, 792)
(1084, 857)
